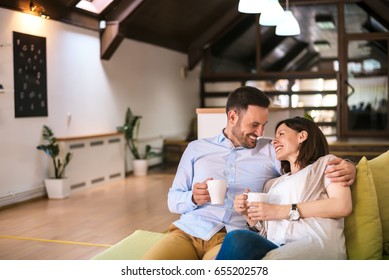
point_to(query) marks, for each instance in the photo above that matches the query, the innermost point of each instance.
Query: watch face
(294, 215)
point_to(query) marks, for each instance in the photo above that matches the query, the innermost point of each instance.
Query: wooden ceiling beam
(377, 9)
(195, 52)
(110, 39)
(114, 33)
(124, 10)
(293, 52)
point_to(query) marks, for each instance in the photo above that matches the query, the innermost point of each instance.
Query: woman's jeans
(244, 245)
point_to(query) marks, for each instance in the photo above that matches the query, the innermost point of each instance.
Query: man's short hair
(244, 96)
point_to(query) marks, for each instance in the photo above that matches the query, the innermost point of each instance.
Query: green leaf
(52, 150)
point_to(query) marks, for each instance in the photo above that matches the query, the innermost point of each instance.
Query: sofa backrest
(363, 230)
(379, 167)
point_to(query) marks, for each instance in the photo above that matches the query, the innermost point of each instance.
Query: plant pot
(140, 167)
(57, 188)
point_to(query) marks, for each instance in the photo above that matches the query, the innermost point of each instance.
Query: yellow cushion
(132, 247)
(363, 227)
(380, 169)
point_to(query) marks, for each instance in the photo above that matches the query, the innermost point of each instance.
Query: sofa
(366, 229)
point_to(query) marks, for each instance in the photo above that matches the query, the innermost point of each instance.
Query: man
(239, 155)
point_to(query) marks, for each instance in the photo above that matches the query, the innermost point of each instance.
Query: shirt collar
(222, 139)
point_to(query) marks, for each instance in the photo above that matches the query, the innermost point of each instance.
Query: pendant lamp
(288, 26)
(272, 14)
(252, 6)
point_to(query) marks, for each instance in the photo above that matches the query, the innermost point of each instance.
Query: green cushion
(380, 169)
(363, 227)
(132, 247)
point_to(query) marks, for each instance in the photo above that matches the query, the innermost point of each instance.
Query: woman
(285, 230)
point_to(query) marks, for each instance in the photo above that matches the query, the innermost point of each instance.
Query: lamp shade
(251, 6)
(288, 26)
(272, 14)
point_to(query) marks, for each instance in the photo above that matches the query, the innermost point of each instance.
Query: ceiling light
(288, 26)
(325, 22)
(102, 24)
(272, 14)
(252, 6)
(45, 16)
(32, 6)
(40, 10)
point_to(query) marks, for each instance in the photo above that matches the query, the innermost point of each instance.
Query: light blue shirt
(217, 158)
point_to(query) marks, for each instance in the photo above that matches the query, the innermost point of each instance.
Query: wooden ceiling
(190, 26)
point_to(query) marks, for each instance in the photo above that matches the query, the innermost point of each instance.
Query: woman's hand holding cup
(240, 203)
(253, 201)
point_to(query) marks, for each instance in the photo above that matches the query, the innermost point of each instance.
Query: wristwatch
(294, 214)
(256, 228)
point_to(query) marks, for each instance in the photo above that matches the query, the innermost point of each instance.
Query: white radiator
(96, 159)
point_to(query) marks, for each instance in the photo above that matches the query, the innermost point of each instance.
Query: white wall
(93, 92)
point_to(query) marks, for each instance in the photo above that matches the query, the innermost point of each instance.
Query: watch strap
(255, 228)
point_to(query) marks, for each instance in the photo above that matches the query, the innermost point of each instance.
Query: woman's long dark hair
(314, 147)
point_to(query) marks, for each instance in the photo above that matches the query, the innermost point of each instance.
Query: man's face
(249, 125)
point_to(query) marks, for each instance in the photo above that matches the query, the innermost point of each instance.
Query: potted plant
(130, 128)
(57, 187)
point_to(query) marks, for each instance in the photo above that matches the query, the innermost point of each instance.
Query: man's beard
(244, 140)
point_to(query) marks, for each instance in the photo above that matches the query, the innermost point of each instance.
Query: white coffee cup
(217, 190)
(257, 197)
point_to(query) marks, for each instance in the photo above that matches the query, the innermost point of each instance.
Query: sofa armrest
(132, 247)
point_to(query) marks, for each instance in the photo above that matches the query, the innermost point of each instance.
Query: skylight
(93, 6)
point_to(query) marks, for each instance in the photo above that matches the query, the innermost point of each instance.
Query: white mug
(257, 197)
(217, 190)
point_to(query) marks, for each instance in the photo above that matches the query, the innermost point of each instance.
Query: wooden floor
(88, 222)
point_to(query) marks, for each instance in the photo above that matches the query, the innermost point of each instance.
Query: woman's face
(287, 143)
